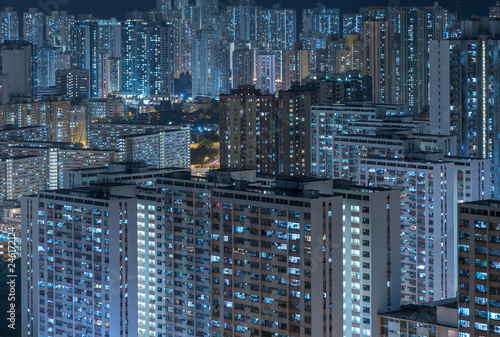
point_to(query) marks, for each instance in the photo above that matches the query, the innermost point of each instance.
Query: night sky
(118, 8)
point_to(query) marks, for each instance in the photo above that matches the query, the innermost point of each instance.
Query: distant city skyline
(110, 9)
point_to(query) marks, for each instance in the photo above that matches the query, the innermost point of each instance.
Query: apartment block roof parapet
(104, 191)
(424, 313)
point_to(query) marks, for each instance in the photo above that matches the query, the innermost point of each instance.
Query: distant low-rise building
(170, 148)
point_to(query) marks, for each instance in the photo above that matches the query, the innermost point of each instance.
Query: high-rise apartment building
(352, 23)
(243, 65)
(378, 52)
(276, 27)
(342, 88)
(428, 205)
(162, 149)
(274, 257)
(9, 25)
(240, 23)
(278, 58)
(20, 112)
(93, 42)
(80, 253)
(44, 67)
(321, 20)
(265, 72)
(419, 25)
(273, 248)
(114, 74)
(479, 268)
(294, 140)
(247, 128)
(27, 134)
(73, 83)
(371, 259)
(55, 113)
(98, 108)
(206, 72)
(34, 26)
(59, 26)
(312, 40)
(17, 62)
(397, 156)
(345, 55)
(161, 59)
(174, 257)
(51, 111)
(462, 73)
(139, 173)
(182, 37)
(298, 64)
(208, 11)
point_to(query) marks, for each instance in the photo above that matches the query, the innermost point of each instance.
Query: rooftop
(424, 313)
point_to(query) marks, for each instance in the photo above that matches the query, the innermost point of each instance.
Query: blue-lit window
(481, 275)
(481, 326)
(481, 288)
(464, 324)
(481, 300)
(480, 224)
(495, 329)
(464, 311)
(480, 313)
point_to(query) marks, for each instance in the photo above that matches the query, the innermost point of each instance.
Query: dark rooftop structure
(434, 313)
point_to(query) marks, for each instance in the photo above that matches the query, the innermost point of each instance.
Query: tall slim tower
(182, 37)
(294, 134)
(45, 65)
(247, 128)
(33, 26)
(265, 72)
(243, 67)
(419, 25)
(9, 25)
(206, 76)
(377, 42)
(135, 76)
